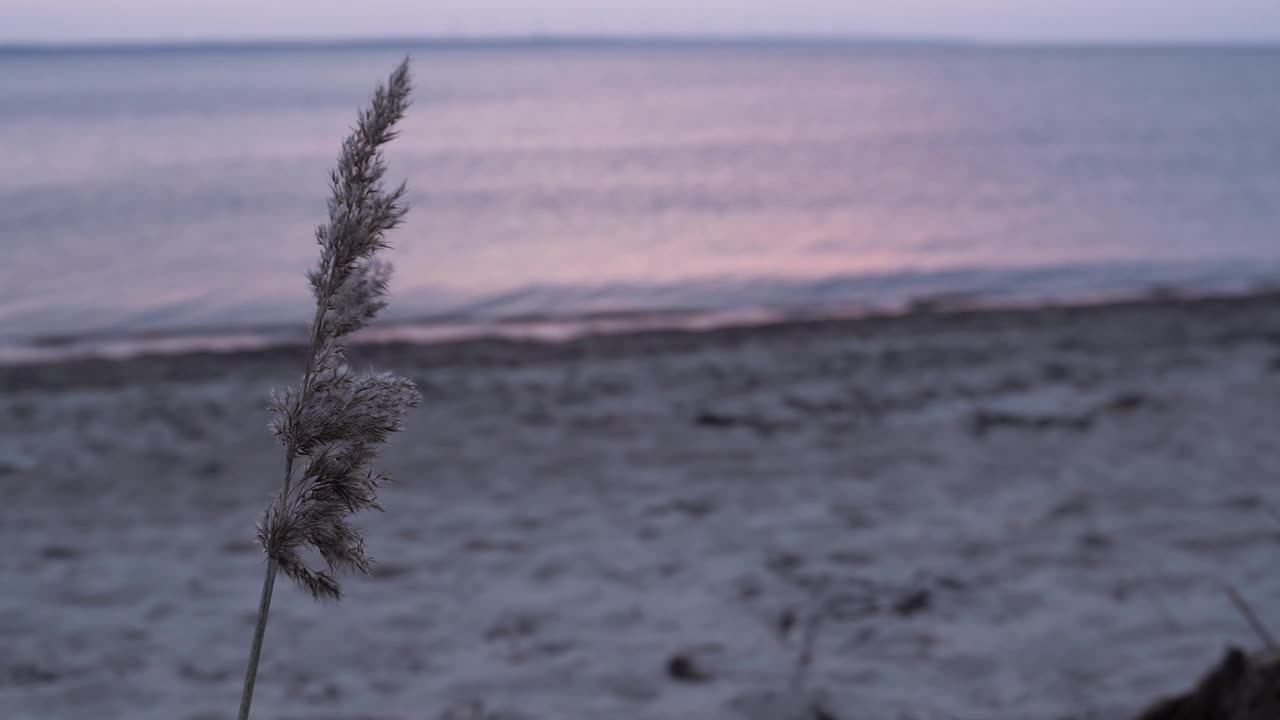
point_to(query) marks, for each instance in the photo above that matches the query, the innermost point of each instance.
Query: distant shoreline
(556, 42)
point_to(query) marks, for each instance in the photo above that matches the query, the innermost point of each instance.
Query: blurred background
(166, 167)
(812, 360)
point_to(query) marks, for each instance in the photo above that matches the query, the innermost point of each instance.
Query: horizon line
(553, 40)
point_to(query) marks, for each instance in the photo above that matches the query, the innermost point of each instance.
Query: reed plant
(333, 422)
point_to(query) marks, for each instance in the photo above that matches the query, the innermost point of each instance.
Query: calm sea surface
(177, 189)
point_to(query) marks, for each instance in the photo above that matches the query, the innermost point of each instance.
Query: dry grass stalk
(336, 418)
(1251, 617)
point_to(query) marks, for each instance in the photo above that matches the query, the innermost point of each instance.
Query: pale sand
(1015, 515)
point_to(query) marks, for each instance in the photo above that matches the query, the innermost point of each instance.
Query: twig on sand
(1252, 618)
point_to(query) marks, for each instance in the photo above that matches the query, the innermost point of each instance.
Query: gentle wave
(560, 313)
(171, 195)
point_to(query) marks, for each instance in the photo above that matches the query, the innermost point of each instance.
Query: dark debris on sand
(1238, 688)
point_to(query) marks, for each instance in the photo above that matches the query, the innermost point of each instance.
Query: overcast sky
(1099, 20)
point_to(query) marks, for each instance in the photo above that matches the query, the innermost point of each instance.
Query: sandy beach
(1016, 515)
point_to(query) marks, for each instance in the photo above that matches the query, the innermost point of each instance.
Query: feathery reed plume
(336, 418)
